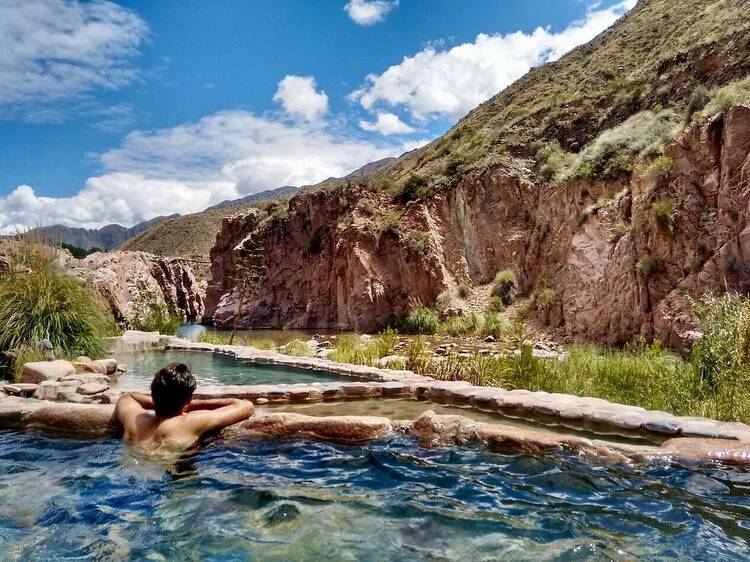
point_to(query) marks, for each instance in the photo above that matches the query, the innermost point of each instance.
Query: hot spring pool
(210, 368)
(63, 499)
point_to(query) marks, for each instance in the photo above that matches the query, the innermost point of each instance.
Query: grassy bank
(39, 301)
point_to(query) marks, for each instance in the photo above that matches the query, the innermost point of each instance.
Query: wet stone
(91, 388)
(282, 514)
(395, 389)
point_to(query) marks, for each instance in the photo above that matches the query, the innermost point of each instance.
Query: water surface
(62, 499)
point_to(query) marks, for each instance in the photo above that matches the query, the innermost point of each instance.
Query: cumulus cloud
(186, 168)
(451, 83)
(52, 51)
(369, 12)
(387, 124)
(300, 98)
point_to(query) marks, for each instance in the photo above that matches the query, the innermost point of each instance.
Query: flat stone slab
(20, 389)
(38, 371)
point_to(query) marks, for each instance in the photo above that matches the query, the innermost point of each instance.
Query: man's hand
(215, 403)
(207, 415)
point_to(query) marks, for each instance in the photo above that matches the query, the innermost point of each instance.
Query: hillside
(270, 194)
(610, 183)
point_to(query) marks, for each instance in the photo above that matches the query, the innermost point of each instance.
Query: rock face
(127, 279)
(329, 265)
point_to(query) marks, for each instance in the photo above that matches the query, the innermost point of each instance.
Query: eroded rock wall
(616, 274)
(127, 279)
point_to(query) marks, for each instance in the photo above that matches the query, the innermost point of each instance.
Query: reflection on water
(209, 368)
(277, 500)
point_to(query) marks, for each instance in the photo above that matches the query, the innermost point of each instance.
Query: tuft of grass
(37, 301)
(444, 301)
(506, 286)
(297, 348)
(351, 349)
(663, 214)
(495, 325)
(465, 325)
(414, 188)
(659, 169)
(239, 339)
(389, 224)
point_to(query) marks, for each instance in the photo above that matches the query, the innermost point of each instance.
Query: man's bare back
(170, 418)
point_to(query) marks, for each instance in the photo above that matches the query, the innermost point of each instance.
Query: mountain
(269, 194)
(611, 183)
(195, 234)
(106, 238)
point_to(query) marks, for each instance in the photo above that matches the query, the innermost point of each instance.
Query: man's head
(172, 389)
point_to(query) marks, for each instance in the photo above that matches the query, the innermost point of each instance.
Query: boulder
(38, 371)
(343, 429)
(91, 388)
(20, 389)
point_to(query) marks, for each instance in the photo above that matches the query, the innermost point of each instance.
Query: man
(177, 420)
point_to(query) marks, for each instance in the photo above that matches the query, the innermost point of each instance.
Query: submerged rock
(344, 429)
(282, 514)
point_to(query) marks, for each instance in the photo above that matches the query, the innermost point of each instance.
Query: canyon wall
(616, 271)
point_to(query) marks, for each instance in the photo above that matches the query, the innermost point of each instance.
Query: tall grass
(240, 339)
(38, 301)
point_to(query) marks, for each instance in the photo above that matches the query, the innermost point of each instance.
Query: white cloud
(451, 83)
(189, 167)
(52, 51)
(369, 12)
(299, 98)
(387, 124)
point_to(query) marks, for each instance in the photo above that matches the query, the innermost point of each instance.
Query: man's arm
(217, 414)
(131, 404)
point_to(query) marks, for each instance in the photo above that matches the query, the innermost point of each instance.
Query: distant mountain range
(113, 236)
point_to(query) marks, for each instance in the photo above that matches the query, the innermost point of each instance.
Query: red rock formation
(328, 266)
(121, 277)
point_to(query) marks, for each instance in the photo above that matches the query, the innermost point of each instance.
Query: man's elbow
(245, 407)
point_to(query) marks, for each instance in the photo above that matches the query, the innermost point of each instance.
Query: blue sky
(118, 112)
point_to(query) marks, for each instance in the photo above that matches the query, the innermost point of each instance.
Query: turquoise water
(210, 368)
(62, 499)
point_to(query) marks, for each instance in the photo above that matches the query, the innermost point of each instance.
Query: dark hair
(172, 388)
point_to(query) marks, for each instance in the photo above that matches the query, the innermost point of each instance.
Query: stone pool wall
(52, 408)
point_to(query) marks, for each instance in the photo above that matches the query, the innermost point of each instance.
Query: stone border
(574, 412)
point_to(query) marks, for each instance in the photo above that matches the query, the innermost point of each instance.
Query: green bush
(420, 320)
(495, 305)
(659, 168)
(616, 150)
(649, 266)
(452, 166)
(553, 161)
(239, 339)
(663, 214)
(464, 290)
(48, 304)
(413, 189)
(417, 243)
(506, 286)
(151, 313)
(732, 94)
(721, 358)
(545, 298)
(464, 325)
(352, 349)
(495, 325)
(444, 301)
(297, 348)
(389, 224)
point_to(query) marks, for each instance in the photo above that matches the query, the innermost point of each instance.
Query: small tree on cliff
(250, 271)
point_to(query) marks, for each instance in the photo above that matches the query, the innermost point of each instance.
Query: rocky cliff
(130, 281)
(591, 178)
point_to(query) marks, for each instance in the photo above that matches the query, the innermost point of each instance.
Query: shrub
(79, 253)
(659, 169)
(464, 290)
(495, 304)
(413, 189)
(421, 320)
(506, 286)
(721, 359)
(351, 349)
(389, 224)
(151, 313)
(495, 325)
(417, 243)
(663, 213)
(465, 325)
(451, 167)
(698, 99)
(444, 301)
(649, 266)
(732, 94)
(217, 338)
(553, 160)
(44, 303)
(366, 208)
(616, 150)
(545, 298)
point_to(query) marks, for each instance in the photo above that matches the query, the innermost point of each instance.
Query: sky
(120, 112)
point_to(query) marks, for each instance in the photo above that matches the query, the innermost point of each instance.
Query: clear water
(210, 368)
(276, 500)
